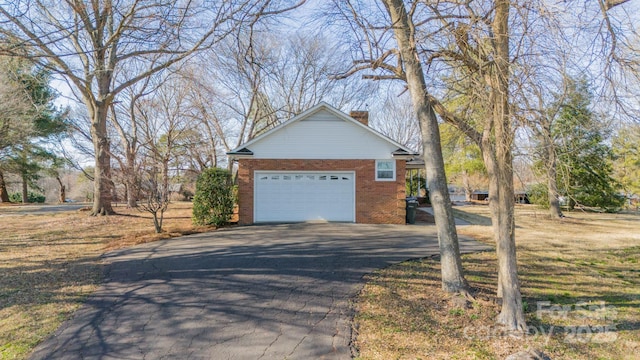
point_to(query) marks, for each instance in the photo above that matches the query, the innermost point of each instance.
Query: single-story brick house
(322, 165)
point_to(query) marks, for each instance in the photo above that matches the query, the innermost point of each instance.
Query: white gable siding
(322, 136)
(322, 115)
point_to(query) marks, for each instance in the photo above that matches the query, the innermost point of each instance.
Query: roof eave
(239, 156)
(403, 154)
(242, 153)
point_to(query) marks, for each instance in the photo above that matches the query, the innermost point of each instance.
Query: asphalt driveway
(256, 292)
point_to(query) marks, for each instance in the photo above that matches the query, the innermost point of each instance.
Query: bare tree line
(90, 44)
(202, 111)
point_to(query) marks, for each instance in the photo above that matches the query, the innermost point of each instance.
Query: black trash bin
(412, 205)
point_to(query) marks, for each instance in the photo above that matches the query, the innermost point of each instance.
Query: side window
(385, 170)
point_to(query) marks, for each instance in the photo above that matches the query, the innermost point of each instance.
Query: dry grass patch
(586, 262)
(50, 263)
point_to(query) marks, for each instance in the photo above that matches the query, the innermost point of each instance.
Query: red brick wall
(377, 202)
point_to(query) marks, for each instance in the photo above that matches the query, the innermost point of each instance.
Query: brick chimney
(361, 116)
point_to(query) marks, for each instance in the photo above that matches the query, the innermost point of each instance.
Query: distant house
(521, 197)
(322, 165)
(480, 195)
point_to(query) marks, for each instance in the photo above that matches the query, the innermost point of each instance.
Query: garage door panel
(295, 197)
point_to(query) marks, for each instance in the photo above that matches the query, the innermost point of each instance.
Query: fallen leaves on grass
(580, 272)
(404, 314)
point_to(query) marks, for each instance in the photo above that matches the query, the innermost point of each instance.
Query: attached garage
(304, 196)
(321, 165)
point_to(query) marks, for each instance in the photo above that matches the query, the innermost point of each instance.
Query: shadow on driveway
(272, 292)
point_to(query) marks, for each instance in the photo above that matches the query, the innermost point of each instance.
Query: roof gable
(321, 132)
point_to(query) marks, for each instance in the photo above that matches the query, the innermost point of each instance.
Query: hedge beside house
(213, 201)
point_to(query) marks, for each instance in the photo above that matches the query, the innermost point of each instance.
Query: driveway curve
(256, 292)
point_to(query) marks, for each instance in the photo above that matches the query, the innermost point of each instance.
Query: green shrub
(539, 194)
(31, 198)
(607, 199)
(15, 197)
(213, 200)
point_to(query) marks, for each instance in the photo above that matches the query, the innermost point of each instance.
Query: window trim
(393, 169)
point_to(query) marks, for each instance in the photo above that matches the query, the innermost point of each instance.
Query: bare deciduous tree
(482, 47)
(163, 124)
(408, 68)
(539, 115)
(471, 40)
(252, 83)
(397, 120)
(155, 199)
(124, 118)
(88, 42)
(305, 75)
(607, 47)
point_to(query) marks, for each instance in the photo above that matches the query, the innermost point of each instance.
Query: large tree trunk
(468, 189)
(4, 195)
(552, 181)
(62, 194)
(157, 222)
(164, 191)
(503, 197)
(102, 183)
(131, 180)
(25, 190)
(452, 276)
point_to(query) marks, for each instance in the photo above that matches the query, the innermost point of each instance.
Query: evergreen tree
(25, 155)
(584, 159)
(14, 105)
(464, 165)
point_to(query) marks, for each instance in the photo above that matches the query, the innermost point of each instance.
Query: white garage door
(304, 196)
